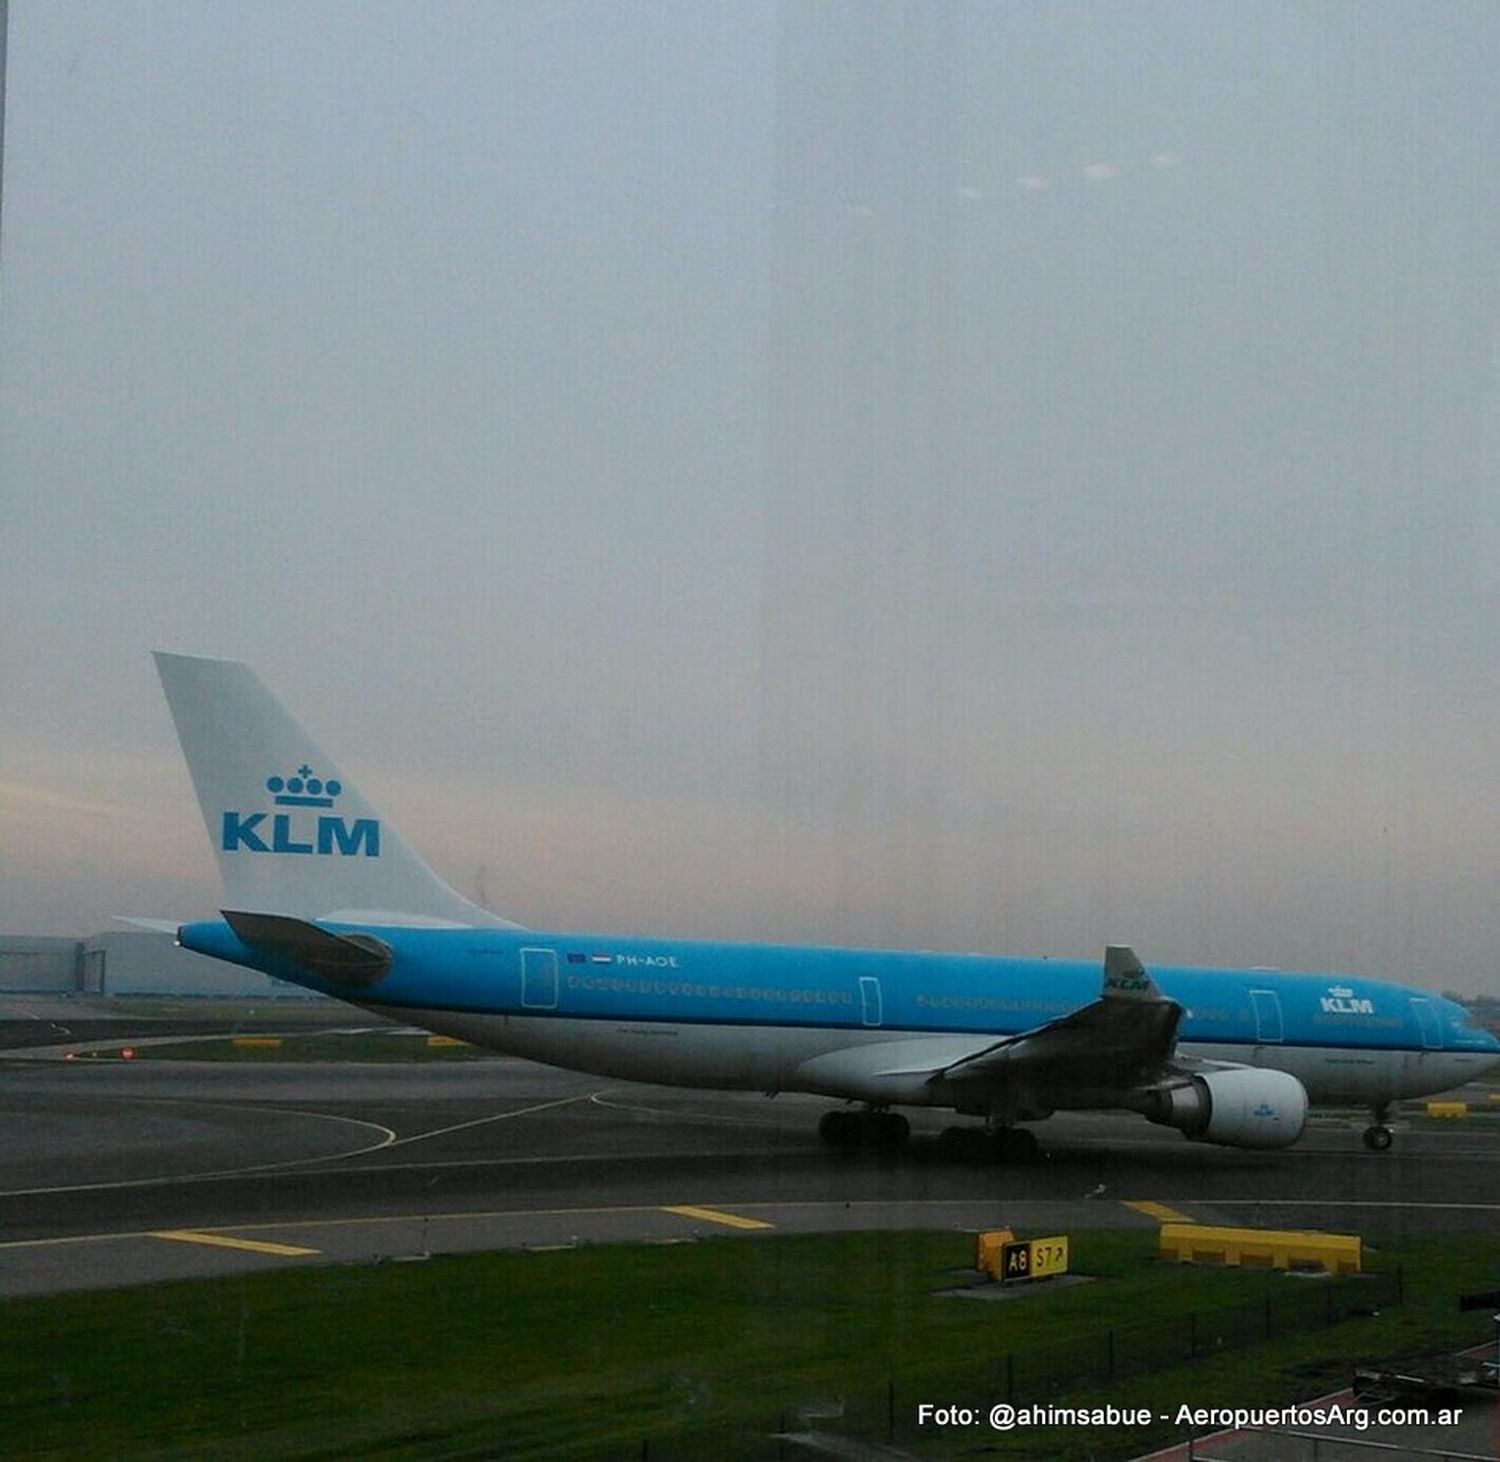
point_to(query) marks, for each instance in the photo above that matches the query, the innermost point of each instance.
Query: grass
(376, 1045)
(293, 1010)
(585, 1353)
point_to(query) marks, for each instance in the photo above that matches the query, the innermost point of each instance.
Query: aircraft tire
(1379, 1137)
(889, 1129)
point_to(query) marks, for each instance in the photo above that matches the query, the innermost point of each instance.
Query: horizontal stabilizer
(156, 926)
(351, 959)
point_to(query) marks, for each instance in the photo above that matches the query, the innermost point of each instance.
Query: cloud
(1100, 172)
(22, 800)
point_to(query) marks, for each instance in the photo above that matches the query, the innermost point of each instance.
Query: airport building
(127, 962)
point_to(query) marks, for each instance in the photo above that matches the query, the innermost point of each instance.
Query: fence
(888, 1413)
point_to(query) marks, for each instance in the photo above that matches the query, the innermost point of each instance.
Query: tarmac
(117, 1172)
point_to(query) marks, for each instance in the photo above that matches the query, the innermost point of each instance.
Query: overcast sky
(1001, 477)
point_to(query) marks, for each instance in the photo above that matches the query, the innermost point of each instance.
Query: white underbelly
(721, 1057)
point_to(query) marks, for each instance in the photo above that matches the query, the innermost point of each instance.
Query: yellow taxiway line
(1158, 1211)
(223, 1241)
(717, 1215)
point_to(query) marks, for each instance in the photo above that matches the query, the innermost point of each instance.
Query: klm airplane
(321, 890)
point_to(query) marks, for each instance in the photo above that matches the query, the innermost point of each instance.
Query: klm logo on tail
(299, 832)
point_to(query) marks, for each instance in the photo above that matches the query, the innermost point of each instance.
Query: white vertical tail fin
(292, 833)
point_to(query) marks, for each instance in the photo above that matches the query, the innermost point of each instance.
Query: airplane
(322, 891)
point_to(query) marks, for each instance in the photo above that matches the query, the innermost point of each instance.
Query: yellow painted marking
(1158, 1211)
(628, 1209)
(223, 1241)
(251, 1043)
(717, 1215)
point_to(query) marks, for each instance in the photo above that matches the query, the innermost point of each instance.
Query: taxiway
(118, 1172)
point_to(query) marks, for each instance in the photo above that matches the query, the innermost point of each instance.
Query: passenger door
(539, 979)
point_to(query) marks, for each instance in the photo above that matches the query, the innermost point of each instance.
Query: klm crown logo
(303, 790)
(325, 836)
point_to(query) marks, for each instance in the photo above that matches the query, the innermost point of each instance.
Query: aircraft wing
(1119, 1050)
(1123, 1039)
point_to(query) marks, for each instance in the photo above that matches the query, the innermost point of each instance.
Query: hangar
(125, 962)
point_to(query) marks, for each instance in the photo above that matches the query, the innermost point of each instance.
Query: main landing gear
(869, 1128)
(1378, 1135)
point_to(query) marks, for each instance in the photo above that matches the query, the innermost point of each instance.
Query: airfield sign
(1034, 1259)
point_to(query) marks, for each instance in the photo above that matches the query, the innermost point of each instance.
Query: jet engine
(1238, 1107)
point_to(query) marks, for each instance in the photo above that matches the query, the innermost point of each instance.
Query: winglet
(1125, 977)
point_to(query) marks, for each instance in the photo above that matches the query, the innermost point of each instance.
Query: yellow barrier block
(1193, 1243)
(250, 1042)
(1447, 1109)
(987, 1250)
(445, 1041)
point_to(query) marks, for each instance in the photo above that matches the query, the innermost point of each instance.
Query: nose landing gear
(1378, 1135)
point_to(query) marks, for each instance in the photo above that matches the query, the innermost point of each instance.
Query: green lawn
(376, 1045)
(697, 1347)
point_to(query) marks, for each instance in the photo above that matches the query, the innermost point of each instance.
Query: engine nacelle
(1241, 1107)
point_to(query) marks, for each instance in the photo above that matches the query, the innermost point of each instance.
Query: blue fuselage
(596, 1003)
